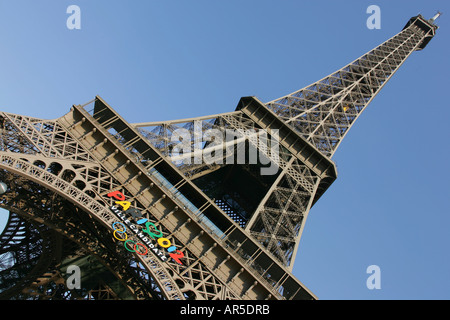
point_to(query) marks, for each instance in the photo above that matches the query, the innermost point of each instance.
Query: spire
(437, 15)
(324, 112)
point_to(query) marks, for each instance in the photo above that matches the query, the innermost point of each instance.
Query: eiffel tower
(142, 214)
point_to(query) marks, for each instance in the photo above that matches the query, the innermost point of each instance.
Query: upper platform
(427, 26)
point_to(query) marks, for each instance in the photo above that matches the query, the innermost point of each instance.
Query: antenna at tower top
(437, 15)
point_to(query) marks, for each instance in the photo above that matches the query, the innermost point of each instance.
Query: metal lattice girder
(77, 234)
(162, 135)
(321, 115)
(85, 183)
(56, 170)
(324, 111)
(142, 157)
(25, 248)
(241, 245)
(41, 173)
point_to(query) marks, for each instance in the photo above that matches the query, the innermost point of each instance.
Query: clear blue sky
(162, 60)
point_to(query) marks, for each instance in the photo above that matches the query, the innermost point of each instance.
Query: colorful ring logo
(150, 228)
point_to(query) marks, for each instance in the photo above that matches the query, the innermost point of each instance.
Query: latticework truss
(324, 111)
(321, 114)
(237, 226)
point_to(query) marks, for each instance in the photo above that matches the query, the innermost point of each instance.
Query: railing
(219, 235)
(274, 286)
(185, 203)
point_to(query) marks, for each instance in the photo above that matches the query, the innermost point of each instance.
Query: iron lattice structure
(238, 229)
